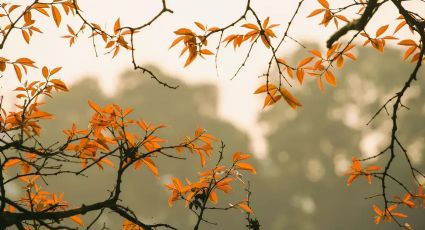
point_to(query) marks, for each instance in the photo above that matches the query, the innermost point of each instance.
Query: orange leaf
(316, 53)
(304, 62)
(2, 66)
(94, 106)
(266, 22)
(117, 26)
(107, 161)
(399, 26)
(289, 98)
(11, 162)
(213, 197)
(77, 219)
(407, 42)
(59, 84)
(25, 61)
(117, 49)
(381, 30)
(238, 156)
(18, 72)
(198, 24)
(206, 52)
(190, 59)
(324, 3)
(315, 12)
(251, 26)
(45, 72)
(55, 70)
(409, 52)
(183, 31)
(176, 41)
(377, 210)
(330, 78)
(26, 36)
(264, 88)
(151, 165)
(300, 75)
(212, 29)
(56, 16)
(71, 31)
(245, 166)
(340, 61)
(245, 207)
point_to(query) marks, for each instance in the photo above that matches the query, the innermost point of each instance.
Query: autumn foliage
(110, 139)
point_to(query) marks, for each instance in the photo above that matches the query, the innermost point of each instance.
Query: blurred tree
(188, 113)
(310, 150)
(334, 124)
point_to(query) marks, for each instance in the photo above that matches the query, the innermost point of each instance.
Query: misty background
(299, 185)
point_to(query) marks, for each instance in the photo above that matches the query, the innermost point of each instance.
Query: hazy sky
(237, 103)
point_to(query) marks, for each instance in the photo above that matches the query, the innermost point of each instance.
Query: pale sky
(236, 100)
